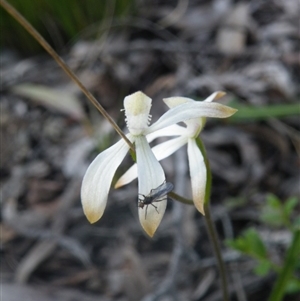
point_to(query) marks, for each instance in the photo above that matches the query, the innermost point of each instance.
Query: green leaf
(276, 213)
(254, 113)
(296, 223)
(263, 268)
(249, 243)
(273, 212)
(289, 205)
(286, 274)
(239, 244)
(293, 286)
(273, 201)
(61, 22)
(235, 202)
(272, 218)
(256, 244)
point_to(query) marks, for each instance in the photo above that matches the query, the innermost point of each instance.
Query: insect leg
(146, 211)
(155, 208)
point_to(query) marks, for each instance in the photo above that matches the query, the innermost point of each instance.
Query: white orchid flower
(98, 177)
(193, 114)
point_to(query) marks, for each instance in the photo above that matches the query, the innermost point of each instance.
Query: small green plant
(251, 244)
(275, 213)
(278, 214)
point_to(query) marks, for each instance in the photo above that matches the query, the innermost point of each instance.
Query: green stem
(180, 198)
(215, 242)
(32, 31)
(212, 233)
(210, 224)
(292, 256)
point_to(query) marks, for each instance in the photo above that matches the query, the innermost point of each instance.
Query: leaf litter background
(50, 134)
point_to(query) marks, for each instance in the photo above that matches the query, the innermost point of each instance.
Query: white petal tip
(200, 208)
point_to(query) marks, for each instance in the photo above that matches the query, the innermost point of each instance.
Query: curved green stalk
(210, 225)
(212, 233)
(292, 256)
(180, 198)
(215, 242)
(31, 30)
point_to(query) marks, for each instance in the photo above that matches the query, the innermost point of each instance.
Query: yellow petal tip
(92, 217)
(220, 94)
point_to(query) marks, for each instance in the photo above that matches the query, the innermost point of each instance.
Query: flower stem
(180, 198)
(289, 265)
(32, 31)
(215, 242)
(210, 224)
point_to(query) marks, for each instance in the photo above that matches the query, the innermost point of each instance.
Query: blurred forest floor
(50, 133)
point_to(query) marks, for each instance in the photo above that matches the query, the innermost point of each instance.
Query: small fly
(155, 195)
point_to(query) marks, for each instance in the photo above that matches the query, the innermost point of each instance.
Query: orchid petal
(215, 96)
(128, 176)
(175, 101)
(167, 148)
(198, 174)
(172, 130)
(194, 126)
(189, 111)
(151, 175)
(172, 102)
(97, 180)
(161, 151)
